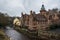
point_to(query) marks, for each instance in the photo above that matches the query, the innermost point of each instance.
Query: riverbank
(47, 35)
(3, 36)
(42, 35)
(26, 32)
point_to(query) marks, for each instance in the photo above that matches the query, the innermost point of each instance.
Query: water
(14, 35)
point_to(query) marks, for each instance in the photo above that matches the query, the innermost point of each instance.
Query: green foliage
(3, 19)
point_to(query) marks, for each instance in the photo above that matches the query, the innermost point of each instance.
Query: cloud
(35, 5)
(12, 7)
(15, 3)
(15, 7)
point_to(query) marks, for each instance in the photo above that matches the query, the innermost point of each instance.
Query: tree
(55, 9)
(4, 20)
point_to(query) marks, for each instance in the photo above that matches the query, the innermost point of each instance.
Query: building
(17, 22)
(40, 21)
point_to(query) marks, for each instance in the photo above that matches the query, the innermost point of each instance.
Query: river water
(14, 35)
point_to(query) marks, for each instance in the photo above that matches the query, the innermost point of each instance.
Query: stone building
(40, 21)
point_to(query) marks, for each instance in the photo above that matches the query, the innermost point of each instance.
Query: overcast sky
(15, 7)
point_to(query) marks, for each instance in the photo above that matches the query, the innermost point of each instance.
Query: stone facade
(42, 20)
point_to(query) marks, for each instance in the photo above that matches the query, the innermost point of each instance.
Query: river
(14, 35)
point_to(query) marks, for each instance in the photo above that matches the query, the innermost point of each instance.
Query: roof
(39, 17)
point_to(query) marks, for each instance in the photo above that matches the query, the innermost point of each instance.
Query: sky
(15, 7)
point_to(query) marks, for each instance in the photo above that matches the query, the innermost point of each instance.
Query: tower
(42, 8)
(42, 11)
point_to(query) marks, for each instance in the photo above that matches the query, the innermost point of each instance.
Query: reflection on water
(14, 35)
